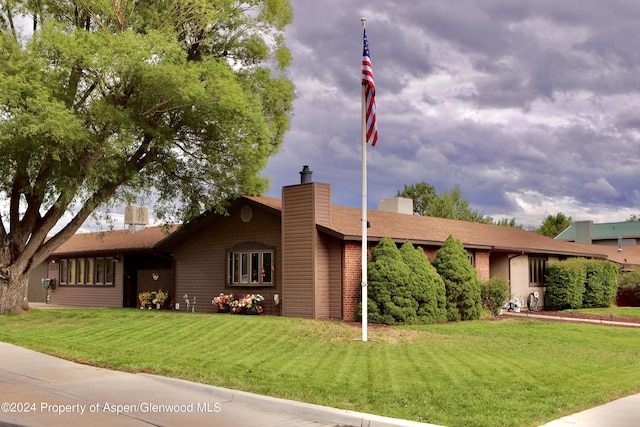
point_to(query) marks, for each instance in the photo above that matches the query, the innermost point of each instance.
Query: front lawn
(616, 311)
(515, 372)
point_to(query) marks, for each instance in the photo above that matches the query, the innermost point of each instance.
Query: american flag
(369, 93)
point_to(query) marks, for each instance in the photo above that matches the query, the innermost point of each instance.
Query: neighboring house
(611, 234)
(299, 250)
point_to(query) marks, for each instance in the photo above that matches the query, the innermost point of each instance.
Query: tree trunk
(13, 291)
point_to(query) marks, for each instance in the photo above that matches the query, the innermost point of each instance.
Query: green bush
(494, 293)
(389, 297)
(600, 285)
(629, 289)
(565, 284)
(461, 281)
(425, 284)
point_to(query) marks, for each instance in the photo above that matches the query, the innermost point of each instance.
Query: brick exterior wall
(352, 273)
(482, 265)
(351, 276)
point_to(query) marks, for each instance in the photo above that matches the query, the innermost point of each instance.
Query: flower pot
(224, 309)
(252, 310)
(157, 306)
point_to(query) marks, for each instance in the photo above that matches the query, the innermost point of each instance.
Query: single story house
(301, 252)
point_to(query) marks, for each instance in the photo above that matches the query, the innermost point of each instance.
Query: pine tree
(389, 298)
(461, 281)
(425, 284)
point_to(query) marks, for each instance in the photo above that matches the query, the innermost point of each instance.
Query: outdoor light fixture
(276, 299)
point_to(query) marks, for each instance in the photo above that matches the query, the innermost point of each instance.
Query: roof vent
(305, 175)
(136, 217)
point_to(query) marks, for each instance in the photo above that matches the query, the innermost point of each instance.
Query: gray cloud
(531, 107)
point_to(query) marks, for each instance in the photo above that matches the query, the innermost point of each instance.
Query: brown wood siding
(329, 278)
(200, 261)
(88, 296)
(298, 241)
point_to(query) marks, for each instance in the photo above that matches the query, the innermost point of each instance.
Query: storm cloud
(532, 107)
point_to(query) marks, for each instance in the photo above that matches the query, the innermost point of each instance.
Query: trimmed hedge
(581, 283)
(565, 284)
(600, 286)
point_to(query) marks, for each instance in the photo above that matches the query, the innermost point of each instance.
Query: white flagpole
(364, 209)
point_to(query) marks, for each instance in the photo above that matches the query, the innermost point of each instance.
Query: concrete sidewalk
(41, 390)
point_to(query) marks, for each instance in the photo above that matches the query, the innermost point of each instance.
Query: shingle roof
(345, 224)
(111, 241)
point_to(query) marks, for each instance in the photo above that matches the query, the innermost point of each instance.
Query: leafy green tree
(554, 225)
(104, 102)
(425, 284)
(461, 281)
(450, 204)
(389, 297)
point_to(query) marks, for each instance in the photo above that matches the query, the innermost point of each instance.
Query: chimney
(305, 175)
(584, 231)
(136, 217)
(401, 205)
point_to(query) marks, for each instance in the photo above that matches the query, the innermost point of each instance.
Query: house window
(87, 271)
(472, 258)
(537, 270)
(250, 267)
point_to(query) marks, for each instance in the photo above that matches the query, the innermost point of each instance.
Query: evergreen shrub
(425, 284)
(461, 281)
(565, 284)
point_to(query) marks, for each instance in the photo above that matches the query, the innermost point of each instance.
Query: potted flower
(223, 302)
(144, 298)
(252, 303)
(159, 298)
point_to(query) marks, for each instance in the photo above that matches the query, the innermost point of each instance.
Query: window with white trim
(251, 267)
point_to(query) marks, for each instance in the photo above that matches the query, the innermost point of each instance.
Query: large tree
(554, 225)
(104, 101)
(449, 204)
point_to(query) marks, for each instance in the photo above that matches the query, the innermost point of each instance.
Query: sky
(532, 106)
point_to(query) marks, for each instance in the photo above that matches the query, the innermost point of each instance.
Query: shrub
(389, 298)
(460, 279)
(600, 285)
(565, 284)
(629, 289)
(425, 284)
(494, 293)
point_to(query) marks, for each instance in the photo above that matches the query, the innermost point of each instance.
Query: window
(537, 270)
(472, 258)
(87, 271)
(250, 267)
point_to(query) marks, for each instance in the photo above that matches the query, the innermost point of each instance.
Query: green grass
(512, 372)
(616, 311)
